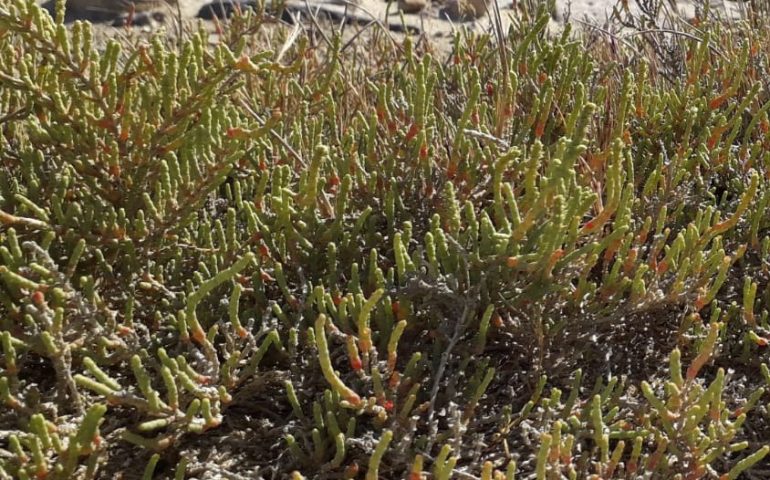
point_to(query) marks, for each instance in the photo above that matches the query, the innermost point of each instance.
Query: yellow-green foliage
(385, 264)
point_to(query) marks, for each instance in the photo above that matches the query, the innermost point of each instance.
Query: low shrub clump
(280, 255)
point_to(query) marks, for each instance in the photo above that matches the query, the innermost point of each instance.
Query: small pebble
(465, 10)
(412, 6)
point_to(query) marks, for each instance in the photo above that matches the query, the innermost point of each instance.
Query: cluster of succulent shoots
(388, 249)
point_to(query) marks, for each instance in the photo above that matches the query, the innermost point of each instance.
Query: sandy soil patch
(435, 18)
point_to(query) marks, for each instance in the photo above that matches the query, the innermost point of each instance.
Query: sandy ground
(432, 20)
